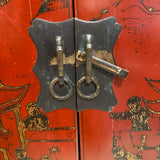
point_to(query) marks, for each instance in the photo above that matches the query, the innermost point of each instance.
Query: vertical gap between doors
(78, 125)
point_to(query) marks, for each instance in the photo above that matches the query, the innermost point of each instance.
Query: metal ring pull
(54, 94)
(90, 96)
(60, 79)
(88, 78)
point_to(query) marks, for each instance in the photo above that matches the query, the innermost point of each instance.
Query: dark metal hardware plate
(73, 31)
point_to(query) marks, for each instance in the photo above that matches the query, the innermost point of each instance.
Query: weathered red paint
(137, 50)
(17, 58)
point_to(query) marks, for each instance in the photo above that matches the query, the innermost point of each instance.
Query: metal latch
(107, 66)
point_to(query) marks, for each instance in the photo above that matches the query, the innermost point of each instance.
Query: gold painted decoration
(3, 2)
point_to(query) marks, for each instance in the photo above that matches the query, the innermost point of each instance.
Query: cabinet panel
(26, 130)
(131, 129)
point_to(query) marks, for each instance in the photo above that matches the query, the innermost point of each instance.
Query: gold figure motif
(120, 153)
(138, 115)
(35, 119)
(21, 154)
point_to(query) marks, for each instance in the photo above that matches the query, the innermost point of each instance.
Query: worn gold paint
(52, 140)
(119, 152)
(20, 126)
(2, 2)
(45, 157)
(150, 9)
(53, 149)
(4, 153)
(104, 55)
(49, 129)
(101, 54)
(151, 110)
(10, 88)
(66, 60)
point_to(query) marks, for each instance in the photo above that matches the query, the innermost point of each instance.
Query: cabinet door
(131, 129)
(26, 131)
(120, 120)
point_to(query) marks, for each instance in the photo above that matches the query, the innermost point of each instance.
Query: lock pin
(60, 60)
(88, 58)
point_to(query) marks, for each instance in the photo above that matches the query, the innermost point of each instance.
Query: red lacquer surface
(17, 57)
(137, 50)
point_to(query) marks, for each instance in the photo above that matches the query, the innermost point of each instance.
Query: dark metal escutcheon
(98, 93)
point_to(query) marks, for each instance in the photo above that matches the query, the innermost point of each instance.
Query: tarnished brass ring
(54, 94)
(90, 96)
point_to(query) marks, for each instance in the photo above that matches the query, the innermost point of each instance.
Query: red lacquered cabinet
(79, 80)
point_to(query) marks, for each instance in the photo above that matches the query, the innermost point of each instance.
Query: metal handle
(60, 79)
(88, 78)
(104, 65)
